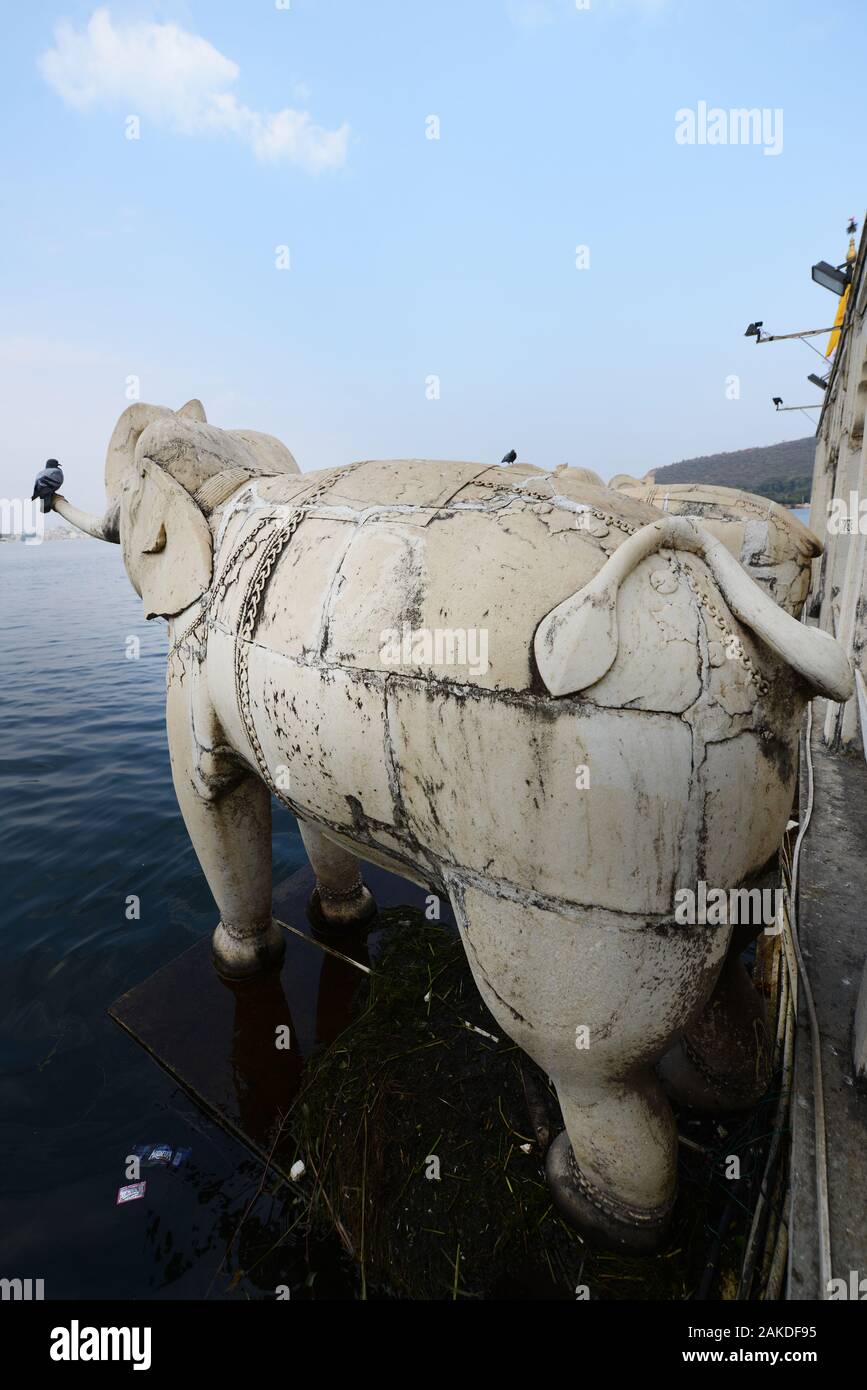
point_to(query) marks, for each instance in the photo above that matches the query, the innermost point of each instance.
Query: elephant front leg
(595, 1002)
(227, 812)
(340, 899)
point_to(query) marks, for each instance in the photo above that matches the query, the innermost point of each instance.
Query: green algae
(423, 1162)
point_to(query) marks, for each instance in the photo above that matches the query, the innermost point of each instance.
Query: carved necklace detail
(248, 617)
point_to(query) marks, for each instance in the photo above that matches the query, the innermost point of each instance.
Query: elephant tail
(576, 643)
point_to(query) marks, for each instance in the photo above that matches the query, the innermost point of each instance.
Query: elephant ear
(166, 541)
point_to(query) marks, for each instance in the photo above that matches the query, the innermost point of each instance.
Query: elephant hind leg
(640, 1118)
(722, 1063)
(595, 1004)
(340, 899)
(227, 812)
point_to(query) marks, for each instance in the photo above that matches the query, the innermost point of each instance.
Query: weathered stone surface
(545, 698)
(769, 540)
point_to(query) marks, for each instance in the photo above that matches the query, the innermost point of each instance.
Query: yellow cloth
(841, 312)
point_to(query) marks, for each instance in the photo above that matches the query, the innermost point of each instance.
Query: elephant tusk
(158, 543)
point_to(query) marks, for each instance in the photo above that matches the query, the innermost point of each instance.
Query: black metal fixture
(836, 278)
(820, 381)
(778, 405)
(755, 331)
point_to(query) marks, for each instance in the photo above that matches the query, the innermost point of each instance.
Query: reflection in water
(265, 1076)
(338, 986)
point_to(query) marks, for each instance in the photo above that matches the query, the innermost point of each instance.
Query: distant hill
(783, 472)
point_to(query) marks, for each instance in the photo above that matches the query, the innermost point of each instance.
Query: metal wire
(752, 1247)
(822, 1205)
(798, 976)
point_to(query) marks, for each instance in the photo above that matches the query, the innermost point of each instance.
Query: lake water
(88, 817)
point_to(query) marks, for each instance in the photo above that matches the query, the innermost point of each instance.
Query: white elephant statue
(544, 699)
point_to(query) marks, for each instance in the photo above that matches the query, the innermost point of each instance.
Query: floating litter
(153, 1153)
(133, 1192)
(473, 1029)
(297, 1170)
(161, 1155)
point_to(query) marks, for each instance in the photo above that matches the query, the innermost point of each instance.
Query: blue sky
(411, 257)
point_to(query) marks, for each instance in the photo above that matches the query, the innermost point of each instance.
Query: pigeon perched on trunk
(510, 457)
(47, 483)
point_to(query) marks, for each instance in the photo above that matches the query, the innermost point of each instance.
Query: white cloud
(181, 82)
(529, 14)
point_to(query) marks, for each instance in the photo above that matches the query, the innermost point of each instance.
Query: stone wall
(840, 575)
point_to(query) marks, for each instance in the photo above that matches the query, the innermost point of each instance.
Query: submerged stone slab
(218, 1038)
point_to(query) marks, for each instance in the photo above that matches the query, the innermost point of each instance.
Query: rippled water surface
(89, 818)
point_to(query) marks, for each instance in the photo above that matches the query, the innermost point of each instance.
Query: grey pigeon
(510, 457)
(47, 483)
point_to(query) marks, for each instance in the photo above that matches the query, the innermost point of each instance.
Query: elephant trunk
(102, 528)
(119, 464)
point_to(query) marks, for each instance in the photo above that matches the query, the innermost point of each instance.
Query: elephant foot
(592, 1006)
(717, 1085)
(722, 1062)
(340, 901)
(239, 952)
(602, 1220)
(335, 910)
